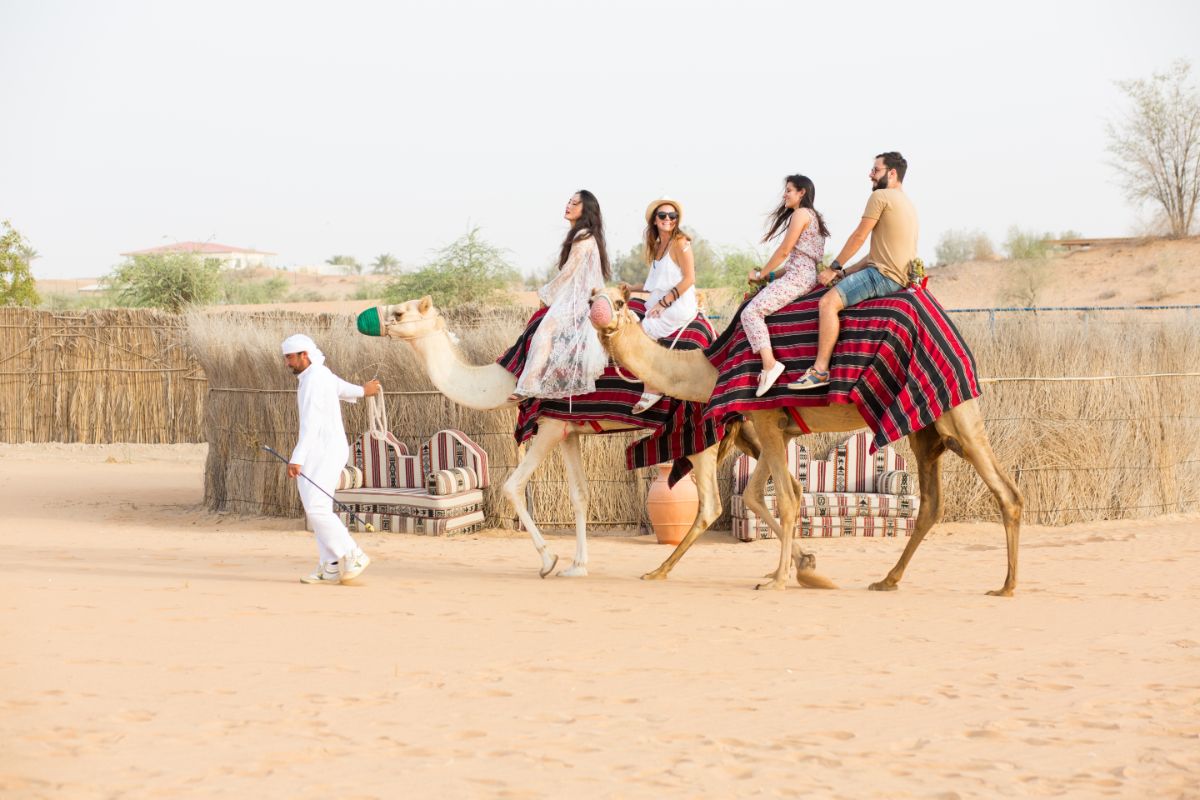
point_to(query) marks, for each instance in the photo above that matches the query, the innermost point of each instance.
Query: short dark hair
(893, 160)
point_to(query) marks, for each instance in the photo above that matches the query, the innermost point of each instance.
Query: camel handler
(320, 453)
(890, 219)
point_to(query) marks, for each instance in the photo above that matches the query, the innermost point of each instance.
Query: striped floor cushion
(749, 530)
(451, 481)
(411, 502)
(423, 526)
(840, 504)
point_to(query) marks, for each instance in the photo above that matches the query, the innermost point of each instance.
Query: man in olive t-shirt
(891, 222)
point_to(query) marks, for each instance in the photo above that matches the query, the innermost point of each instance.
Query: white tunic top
(665, 275)
(322, 434)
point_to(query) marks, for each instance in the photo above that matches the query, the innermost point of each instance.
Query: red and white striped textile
(749, 530)
(351, 478)
(451, 481)
(383, 459)
(449, 449)
(422, 526)
(839, 504)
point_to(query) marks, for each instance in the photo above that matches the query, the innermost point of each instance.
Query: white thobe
(321, 452)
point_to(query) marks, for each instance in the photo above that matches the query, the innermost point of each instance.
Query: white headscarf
(299, 343)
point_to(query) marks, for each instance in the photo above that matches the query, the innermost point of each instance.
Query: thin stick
(366, 525)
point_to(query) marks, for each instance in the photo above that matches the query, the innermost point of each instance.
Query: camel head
(409, 320)
(610, 311)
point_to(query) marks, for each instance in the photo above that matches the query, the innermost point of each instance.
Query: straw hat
(664, 201)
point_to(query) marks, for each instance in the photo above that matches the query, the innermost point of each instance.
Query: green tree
(1021, 244)
(468, 269)
(630, 267)
(349, 264)
(957, 246)
(171, 281)
(1156, 146)
(385, 264)
(16, 279)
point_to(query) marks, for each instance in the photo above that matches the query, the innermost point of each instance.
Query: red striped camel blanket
(677, 428)
(898, 358)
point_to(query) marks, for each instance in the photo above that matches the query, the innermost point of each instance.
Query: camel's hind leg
(577, 482)
(550, 434)
(965, 435)
(928, 448)
(704, 468)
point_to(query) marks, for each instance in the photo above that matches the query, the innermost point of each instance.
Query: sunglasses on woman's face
(667, 215)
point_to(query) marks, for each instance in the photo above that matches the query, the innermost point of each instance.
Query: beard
(882, 183)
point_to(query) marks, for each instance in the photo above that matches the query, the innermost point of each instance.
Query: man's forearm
(855, 242)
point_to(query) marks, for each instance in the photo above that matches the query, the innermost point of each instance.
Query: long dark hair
(782, 215)
(590, 223)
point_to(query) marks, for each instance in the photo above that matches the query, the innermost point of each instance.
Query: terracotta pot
(672, 511)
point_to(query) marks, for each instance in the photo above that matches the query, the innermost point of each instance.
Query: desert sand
(154, 650)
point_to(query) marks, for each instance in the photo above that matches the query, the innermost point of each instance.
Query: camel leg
(970, 441)
(572, 454)
(774, 454)
(550, 434)
(927, 446)
(704, 468)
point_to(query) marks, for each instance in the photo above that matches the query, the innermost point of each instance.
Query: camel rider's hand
(754, 276)
(372, 388)
(827, 277)
(293, 470)
(655, 311)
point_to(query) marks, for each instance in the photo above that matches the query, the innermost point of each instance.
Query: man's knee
(832, 302)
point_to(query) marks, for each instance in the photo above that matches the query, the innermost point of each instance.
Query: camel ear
(625, 291)
(424, 304)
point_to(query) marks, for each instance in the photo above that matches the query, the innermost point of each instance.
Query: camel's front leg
(704, 469)
(577, 484)
(550, 433)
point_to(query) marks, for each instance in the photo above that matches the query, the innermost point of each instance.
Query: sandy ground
(153, 650)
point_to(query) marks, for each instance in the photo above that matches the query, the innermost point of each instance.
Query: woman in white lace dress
(672, 279)
(565, 356)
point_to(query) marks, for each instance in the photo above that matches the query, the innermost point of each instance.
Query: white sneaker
(325, 573)
(766, 379)
(646, 402)
(353, 564)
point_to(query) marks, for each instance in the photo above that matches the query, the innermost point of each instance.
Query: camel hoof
(1001, 593)
(574, 571)
(548, 566)
(804, 561)
(883, 586)
(776, 584)
(655, 575)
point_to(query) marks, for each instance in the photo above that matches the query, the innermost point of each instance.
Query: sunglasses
(667, 215)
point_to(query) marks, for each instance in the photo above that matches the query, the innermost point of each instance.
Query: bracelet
(771, 276)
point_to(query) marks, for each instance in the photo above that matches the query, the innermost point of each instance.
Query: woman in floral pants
(790, 272)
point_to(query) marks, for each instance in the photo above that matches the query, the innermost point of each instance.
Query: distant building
(231, 257)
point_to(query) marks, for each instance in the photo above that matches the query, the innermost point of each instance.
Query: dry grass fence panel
(1079, 450)
(119, 375)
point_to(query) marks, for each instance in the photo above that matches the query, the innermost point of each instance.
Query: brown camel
(688, 375)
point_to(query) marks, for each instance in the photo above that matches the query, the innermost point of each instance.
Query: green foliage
(349, 264)
(61, 301)
(385, 264)
(961, 245)
(630, 267)
(1021, 244)
(305, 296)
(16, 279)
(170, 281)
(469, 268)
(243, 289)
(541, 277)
(368, 291)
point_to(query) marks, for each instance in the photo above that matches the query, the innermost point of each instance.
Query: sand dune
(154, 650)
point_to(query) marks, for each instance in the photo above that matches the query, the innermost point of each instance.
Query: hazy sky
(309, 129)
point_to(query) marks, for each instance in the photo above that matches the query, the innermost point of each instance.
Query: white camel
(488, 387)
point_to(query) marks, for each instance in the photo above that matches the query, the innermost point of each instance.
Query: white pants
(333, 540)
(674, 317)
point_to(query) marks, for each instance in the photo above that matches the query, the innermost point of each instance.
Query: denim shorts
(864, 285)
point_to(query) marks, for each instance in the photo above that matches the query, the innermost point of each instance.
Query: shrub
(957, 246)
(16, 279)
(469, 268)
(170, 281)
(243, 289)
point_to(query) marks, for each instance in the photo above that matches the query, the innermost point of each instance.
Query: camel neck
(483, 388)
(686, 374)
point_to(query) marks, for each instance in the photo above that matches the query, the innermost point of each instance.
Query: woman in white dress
(672, 279)
(565, 356)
